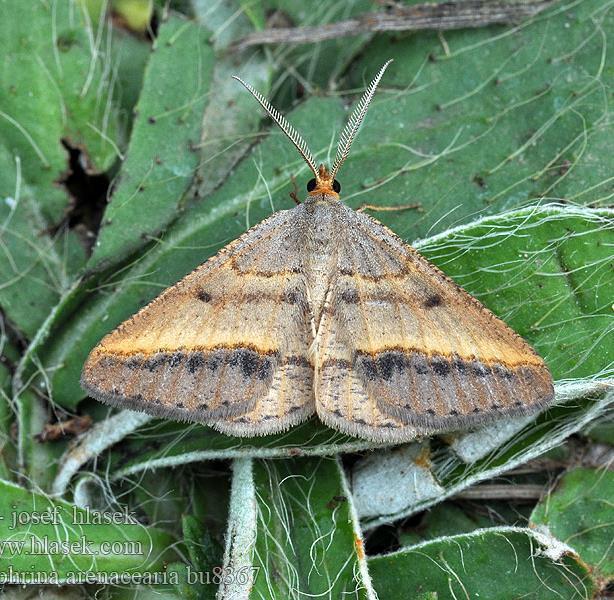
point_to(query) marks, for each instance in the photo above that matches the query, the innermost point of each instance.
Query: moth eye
(311, 185)
(336, 186)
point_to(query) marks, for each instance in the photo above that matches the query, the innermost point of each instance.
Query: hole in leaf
(88, 194)
(382, 540)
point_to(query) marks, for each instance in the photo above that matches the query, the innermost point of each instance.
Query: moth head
(323, 184)
(324, 181)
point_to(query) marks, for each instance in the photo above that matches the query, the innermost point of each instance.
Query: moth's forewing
(403, 348)
(228, 345)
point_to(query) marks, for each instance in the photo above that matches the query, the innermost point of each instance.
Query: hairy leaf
(292, 527)
(478, 121)
(162, 156)
(498, 563)
(68, 540)
(56, 86)
(579, 513)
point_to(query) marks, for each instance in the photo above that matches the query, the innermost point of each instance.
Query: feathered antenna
(351, 129)
(292, 134)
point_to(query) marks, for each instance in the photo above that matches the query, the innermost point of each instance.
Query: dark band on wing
(218, 383)
(441, 392)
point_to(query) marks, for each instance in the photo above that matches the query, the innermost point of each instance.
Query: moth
(319, 309)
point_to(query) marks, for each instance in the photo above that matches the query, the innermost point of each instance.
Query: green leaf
(602, 431)
(232, 118)
(579, 513)
(205, 554)
(501, 563)
(162, 155)
(47, 47)
(160, 498)
(478, 121)
(131, 55)
(443, 520)
(202, 549)
(293, 530)
(186, 584)
(35, 268)
(320, 64)
(36, 461)
(255, 13)
(546, 272)
(228, 135)
(226, 20)
(7, 447)
(77, 541)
